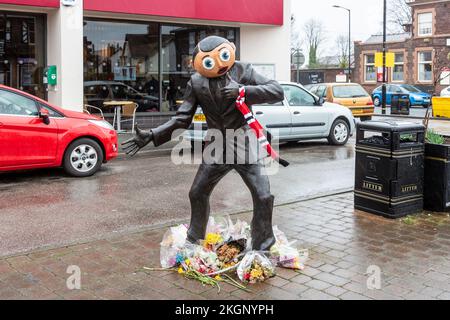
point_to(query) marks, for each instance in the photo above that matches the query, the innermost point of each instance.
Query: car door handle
(259, 113)
(1, 124)
(296, 113)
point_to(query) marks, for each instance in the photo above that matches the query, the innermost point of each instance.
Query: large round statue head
(214, 56)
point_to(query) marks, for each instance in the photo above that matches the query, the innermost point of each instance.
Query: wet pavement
(353, 256)
(45, 208)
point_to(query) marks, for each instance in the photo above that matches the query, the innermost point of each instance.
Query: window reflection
(121, 63)
(22, 41)
(178, 44)
(148, 63)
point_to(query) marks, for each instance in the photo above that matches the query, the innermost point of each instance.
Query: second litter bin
(389, 168)
(400, 104)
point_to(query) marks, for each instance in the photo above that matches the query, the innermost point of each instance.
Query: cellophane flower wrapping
(238, 231)
(285, 255)
(255, 267)
(201, 259)
(174, 241)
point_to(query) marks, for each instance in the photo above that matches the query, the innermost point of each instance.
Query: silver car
(301, 116)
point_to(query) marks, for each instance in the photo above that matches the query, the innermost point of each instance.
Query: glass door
(22, 60)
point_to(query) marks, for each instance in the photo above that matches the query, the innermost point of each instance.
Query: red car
(35, 134)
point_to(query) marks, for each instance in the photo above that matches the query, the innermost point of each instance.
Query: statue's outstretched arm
(163, 133)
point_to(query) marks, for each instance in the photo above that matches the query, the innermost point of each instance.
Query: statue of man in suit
(215, 87)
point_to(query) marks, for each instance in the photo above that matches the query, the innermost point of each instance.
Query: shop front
(146, 62)
(22, 51)
(131, 50)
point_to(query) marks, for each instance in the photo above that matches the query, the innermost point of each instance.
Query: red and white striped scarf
(257, 127)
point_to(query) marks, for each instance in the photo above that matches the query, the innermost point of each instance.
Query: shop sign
(69, 3)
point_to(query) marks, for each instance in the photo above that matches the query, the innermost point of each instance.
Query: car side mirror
(320, 101)
(44, 115)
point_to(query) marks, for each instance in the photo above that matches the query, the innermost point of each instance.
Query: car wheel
(339, 133)
(377, 102)
(83, 158)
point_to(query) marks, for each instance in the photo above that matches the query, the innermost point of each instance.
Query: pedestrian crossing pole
(383, 92)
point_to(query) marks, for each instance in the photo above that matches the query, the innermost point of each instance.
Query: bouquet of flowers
(218, 225)
(173, 242)
(255, 267)
(201, 260)
(238, 231)
(229, 252)
(288, 257)
(212, 241)
(284, 255)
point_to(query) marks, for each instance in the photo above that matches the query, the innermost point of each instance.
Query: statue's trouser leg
(257, 181)
(207, 178)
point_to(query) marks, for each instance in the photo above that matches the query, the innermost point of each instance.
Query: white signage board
(445, 78)
(267, 70)
(341, 78)
(69, 3)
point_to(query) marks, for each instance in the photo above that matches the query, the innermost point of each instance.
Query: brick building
(422, 53)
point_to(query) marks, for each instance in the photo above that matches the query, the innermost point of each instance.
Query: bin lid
(390, 125)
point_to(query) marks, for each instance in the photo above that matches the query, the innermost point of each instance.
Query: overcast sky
(367, 17)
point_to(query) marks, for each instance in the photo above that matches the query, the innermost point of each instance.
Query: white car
(301, 116)
(445, 92)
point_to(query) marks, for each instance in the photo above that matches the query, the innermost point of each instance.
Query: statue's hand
(231, 92)
(140, 140)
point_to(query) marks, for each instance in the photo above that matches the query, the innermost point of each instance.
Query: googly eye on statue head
(209, 63)
(225, 55)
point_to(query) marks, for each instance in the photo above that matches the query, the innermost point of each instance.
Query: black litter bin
(389, 168)
(400, 104)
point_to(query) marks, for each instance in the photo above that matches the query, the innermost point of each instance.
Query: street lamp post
(383, 90)
(349, 39)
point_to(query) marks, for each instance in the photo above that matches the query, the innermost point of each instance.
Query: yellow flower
(256, 274)
(180, 271)
(213, 238)
(188, 262)
(218, 278)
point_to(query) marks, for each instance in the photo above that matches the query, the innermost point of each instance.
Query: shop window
(425, 73)
(178, 44)
(22, 52)
(398, 72)
(118, 57)
(148, 63)
(425, 24)
(370, 71)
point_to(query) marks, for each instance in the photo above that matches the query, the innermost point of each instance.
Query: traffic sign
(298, 58)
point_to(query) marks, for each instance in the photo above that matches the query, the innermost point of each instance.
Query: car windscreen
(349, 92)
(410, 88)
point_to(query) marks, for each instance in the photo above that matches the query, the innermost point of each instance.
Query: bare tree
(315, 35)
(342, 51)
(441, 62)
(399, 15)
